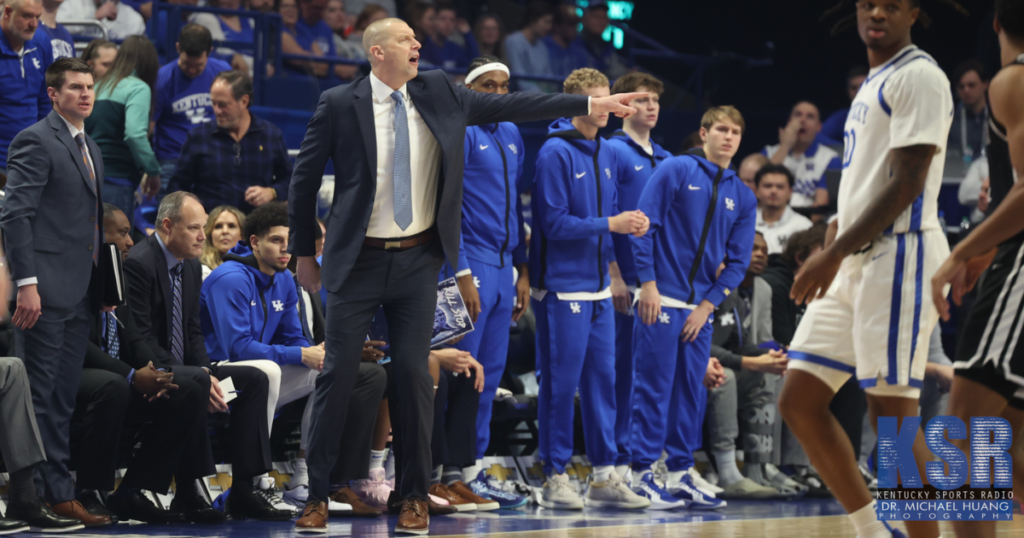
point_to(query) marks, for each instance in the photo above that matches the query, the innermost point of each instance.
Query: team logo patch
(476, 281)
(728, 319)
(512, 147)
(254, 303)
(483, 147)
(693, 187)
(278, 306)
(608, 172)
(663, 318)
(35, 62)
(581, 174)
(576, 309)
(638, 167)
(730, 204)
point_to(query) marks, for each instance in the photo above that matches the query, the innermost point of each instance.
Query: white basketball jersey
(904, 102)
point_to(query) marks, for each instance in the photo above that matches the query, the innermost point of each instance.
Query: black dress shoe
(93, 505)
(197, 509)
(135, 505)
(12, 526)
(41, 518)
(251, 505)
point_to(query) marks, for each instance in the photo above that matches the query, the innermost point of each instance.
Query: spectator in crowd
(309, 35)
(241, 160)
(358, 6)
(223, 231)
(183, 96)
(603, 56)
(741, 342)
(574, 216)
(969, 133)
(225, 27)
(832, 128)
(527, 53)
(118, 360)
(974, 190)
(23, 100)
(262, 6)
(100, 55)
(672, 338)
(164, 281)
(779, 275)
(806, 158)
(144, 7)
(420, 16)
(53, 258)
(120, 19)
(749, 167)
(489, 33)
(335, 17)
(53, 34)
(440, 47)
(637, 158)
(693, 141)
(156, 26)
(370, 14)
(776, 221)
(565, 52)
(120, 124)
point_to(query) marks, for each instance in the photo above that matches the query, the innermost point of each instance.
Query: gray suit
(19, 436)
(50, 221)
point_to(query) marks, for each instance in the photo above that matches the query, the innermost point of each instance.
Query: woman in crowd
(370, 14)
(335, 17)
(490, 36)
(420, 16)
(100, 55)
(119, 124)
(223, 231)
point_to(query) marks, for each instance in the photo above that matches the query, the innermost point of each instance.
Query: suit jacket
(133, 352)
(51, 211)
(342, 129)
(149, 294)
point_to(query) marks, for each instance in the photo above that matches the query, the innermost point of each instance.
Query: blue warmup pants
(669, 397)
(623, 387)
(488, 342)
(575, 349)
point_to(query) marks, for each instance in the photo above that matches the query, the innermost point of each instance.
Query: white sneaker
(704, 486)
(297, 496)
(559, 494)
(268, 491)
(614, 493)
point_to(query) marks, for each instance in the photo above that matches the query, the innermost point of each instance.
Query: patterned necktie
(113, 342)
(80, 140)
(402, 174)
(177, 338)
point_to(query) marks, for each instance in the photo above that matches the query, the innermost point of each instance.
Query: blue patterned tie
(177, 338)
(403, 174)
(113, 342)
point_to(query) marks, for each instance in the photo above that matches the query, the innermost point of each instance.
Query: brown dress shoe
(359, 508)
(314, 518)
(455, 500)
(74, 509)
(481, 503)
(439, 509)
(414, 518)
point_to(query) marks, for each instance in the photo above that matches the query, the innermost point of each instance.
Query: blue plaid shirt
(218, 170)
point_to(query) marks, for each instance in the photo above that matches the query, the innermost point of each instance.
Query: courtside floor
(771, 519)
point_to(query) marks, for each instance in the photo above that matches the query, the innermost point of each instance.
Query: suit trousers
(53, 351)
(286, 383)
(405, 284)
(357, 439)
(624, 371)
(20, 441)
(456, 403)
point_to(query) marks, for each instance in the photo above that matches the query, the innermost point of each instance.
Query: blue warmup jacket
(249, 315)
(700, 215)
(573, 196)
(492, 223)
(635, 169)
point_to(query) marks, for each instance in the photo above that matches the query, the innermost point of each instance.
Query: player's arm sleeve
(738, 248)
(918, 100)
(519, 253)
(655, 200)
(733, 361)
(554, 188)
(609, 243)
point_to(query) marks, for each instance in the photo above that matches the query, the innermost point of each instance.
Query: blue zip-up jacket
(248, 315)
(696, 223)
(573, 196)
(23, 98)
(635, 169)
(492, 223)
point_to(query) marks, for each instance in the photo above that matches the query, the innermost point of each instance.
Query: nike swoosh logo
(692, 188)
(879, 256)
(483, 147)
(581, 174)
(638, 168)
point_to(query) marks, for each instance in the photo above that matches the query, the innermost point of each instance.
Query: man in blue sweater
(701, 213)
(638, 156)
(573, 276)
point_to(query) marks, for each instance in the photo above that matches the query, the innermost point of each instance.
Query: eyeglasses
(238, 153)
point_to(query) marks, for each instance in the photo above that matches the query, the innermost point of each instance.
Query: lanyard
(966, 150)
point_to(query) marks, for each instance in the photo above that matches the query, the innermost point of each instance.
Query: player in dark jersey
(989, 365)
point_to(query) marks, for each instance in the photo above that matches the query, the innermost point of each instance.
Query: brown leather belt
(400, 244)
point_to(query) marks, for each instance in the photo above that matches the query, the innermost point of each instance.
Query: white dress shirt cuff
(588, 104)
(27, 281)
(463, 273)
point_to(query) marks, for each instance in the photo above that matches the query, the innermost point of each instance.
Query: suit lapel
(425, 107)
(364, 113)
(64, 135)
(164, 279)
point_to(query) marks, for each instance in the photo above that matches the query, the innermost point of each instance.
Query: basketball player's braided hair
(846, 22)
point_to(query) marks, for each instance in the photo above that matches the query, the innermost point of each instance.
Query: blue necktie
(113, 343)
(402, 174)
(177, 338)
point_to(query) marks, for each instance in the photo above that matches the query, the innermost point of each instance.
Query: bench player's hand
(815, 277)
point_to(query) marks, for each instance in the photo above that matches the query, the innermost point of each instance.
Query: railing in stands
(82, 41)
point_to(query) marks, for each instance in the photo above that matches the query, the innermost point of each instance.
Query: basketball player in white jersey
(989, 380)
(867, 317)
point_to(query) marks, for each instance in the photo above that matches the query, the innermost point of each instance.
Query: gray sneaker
(748, 489)
(614, 493)
(559, 494)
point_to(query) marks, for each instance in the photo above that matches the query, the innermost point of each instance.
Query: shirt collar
(171, 260)
(382, 92)
(75, 131)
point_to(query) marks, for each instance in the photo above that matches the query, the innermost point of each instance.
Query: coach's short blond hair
(723, 112)
(583, 79)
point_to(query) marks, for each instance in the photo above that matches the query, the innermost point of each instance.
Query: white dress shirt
(75, 131)
(425, 165)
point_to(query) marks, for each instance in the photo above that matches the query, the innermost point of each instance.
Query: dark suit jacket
(51, 211)
(149, 294)
(133, 352)
(342, 129)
